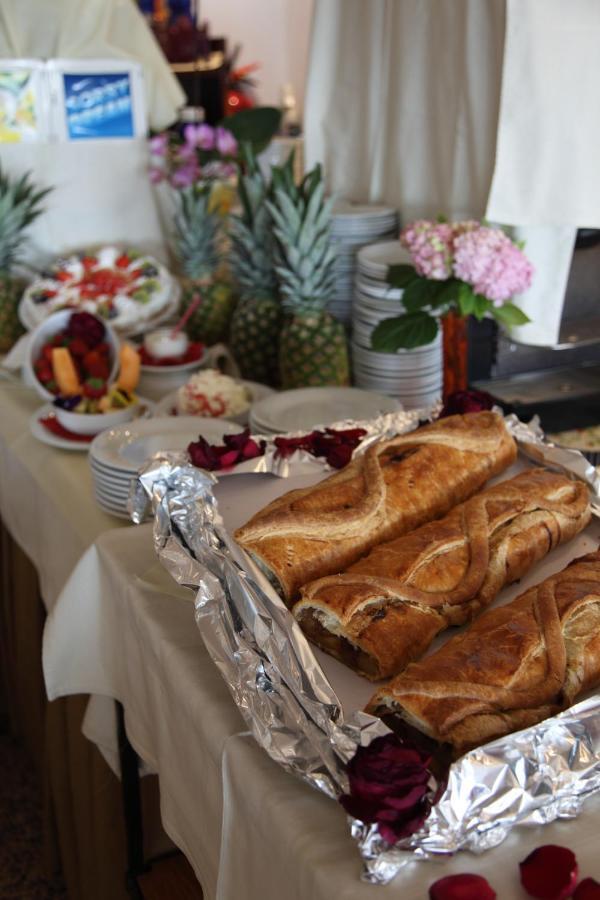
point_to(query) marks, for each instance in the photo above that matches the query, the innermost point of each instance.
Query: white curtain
(466, 108)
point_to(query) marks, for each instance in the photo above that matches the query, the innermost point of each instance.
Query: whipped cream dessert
(210, 393)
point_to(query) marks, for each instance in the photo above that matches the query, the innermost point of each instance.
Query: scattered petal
(549, 872)
(462, 887)
(588, 889)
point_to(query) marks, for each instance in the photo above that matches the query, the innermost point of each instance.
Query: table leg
(132, 806)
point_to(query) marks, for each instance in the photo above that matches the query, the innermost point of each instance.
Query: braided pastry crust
(513, 667)
(393, 487)
(386, 609)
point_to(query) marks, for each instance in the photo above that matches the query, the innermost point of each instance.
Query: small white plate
(127, 447)
(53, 440)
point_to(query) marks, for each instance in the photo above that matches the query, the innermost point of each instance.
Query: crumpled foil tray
(528, 778)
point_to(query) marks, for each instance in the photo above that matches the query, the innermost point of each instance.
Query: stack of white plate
(117, 454)
(352, 227)
(413, 376)
(305, 408)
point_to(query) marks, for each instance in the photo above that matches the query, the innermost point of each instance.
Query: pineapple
(19, 206)
(256, 322)
(198, 228)
(313, 350)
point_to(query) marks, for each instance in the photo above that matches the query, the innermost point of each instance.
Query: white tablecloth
(120, 628)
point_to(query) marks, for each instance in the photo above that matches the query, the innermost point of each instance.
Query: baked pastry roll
(513, 667)
(390, 489)
(386, 609)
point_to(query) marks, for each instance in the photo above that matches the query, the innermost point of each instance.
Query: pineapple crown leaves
(20, 205)
(251, 233)
(302, 218)
(197, 232)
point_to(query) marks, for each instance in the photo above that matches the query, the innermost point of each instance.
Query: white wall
(274, 33)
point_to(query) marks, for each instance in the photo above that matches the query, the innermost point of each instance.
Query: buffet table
(118, 627)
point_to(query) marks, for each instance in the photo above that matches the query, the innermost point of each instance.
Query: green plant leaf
(410, 330)
(482, 306)
(465, 299)
(401, 276)
(256, 126)
(510, 315)
(421, 293)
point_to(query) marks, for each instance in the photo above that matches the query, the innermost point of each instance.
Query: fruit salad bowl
(37, 365)
(94, 423)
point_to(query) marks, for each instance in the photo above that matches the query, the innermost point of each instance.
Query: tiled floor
(22, 874)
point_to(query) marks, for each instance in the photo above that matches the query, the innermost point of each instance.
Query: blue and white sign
(98, 105)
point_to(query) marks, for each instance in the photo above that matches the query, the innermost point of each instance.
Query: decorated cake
(127, 288)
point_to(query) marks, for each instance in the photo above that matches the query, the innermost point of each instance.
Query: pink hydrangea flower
(202, 136)
(489, 261)
(225, 141)
(430, 247)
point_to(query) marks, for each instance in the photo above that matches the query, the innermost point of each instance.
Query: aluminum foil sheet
(528, 778)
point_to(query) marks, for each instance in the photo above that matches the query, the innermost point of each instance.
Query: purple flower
(156, 175)
(187, 153)
(185, 176)
(202, 136)
(226, 143)
(159, 145)
(391, 785)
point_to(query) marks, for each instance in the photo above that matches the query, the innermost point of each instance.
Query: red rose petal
(588, 889)
(549, 873)
(229, 459)
(462, 887)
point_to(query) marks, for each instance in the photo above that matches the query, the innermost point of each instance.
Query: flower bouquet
(465, 268)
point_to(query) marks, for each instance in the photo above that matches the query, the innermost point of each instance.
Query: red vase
(455, 341)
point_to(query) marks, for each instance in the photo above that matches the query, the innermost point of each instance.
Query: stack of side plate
(413, 376)
(117, 453)
(305, 408)
(352, 227)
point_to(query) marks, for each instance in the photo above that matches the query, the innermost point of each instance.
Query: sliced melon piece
(129, 374)
(65, 372)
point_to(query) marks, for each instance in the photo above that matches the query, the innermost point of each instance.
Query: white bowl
(94, 423)
(157, 381)
(46, 330)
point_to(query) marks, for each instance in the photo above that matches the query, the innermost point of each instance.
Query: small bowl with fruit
(168, 357)
(91, 343)
(89, 407)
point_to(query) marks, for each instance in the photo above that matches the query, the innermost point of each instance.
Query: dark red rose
(549, 873)
(588, 889)
(87, 328)
(340, 456)
(390, 785)
(336, 446)
(465, 402)
(203, 455)
(462, 887)
(235, 448)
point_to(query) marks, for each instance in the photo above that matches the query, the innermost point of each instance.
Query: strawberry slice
(122, 261)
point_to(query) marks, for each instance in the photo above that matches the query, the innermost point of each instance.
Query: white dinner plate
(304, 408)
(127, 447)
